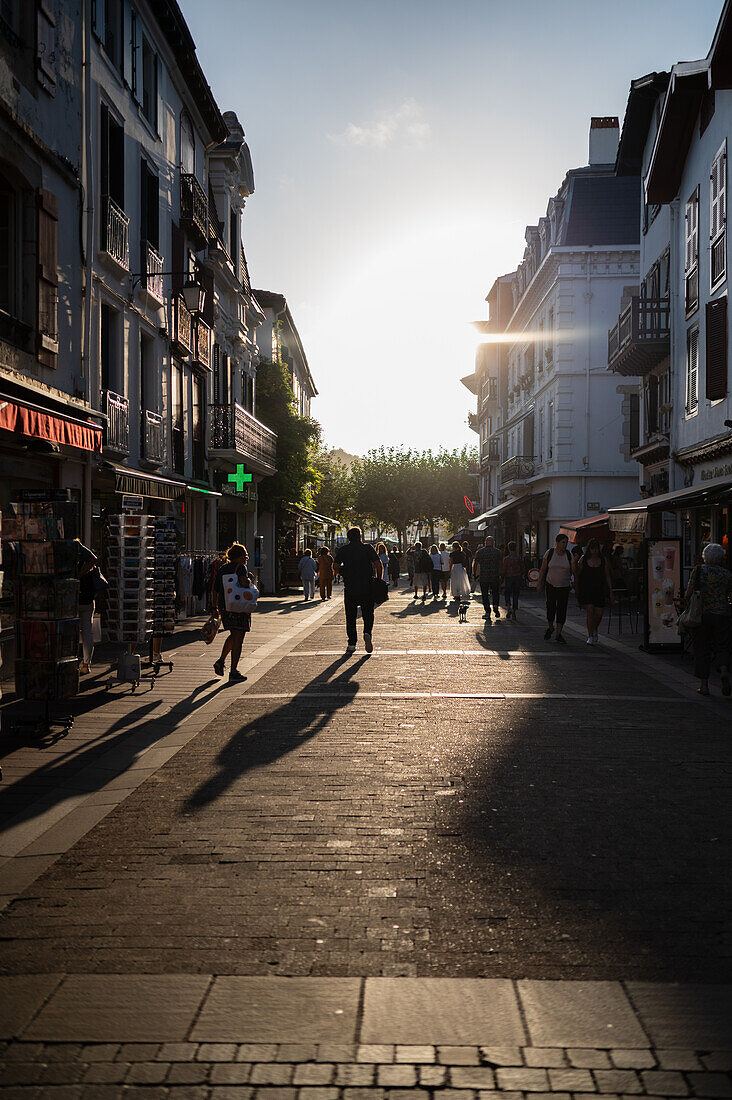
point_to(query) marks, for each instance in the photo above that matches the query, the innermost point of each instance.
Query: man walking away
(307, 568)
(487, 569)
(445, 568)
(556, 576)
(358, 564)
(512, 569)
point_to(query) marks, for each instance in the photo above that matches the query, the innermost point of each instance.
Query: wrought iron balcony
(152, 438)
(117, 431)
(473, 422)
(182, 327)
(236, 435)
(115, 232)
(518, 468)
(152, 263)
(202, 345)
(193, 207)
(489, 454)
(642, 337)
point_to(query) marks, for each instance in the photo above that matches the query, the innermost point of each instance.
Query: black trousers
(435, 577)
(556, 604)
(490, 591)
(714, 637)
(367, 611)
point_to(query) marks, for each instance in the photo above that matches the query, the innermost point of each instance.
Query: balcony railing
(489, 454)
(518, 468)
(117, 431)
(193, 207)
(641, 338)
(153, 265)
(182, 326)
(115, 232)
(473, 422)
(152, 435)
(233, 429)
(202, 352)
(244, 271)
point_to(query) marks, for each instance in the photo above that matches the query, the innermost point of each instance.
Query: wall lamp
(192, 291)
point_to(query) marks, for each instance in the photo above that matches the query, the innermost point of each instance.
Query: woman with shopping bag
(236, 598)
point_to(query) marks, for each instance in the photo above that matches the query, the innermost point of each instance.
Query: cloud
(404, 124)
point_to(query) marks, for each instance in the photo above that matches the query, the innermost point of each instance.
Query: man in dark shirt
(357, 564)
(487, 569)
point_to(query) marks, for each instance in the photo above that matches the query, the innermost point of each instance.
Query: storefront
(580, 531)
(300, 529)
(518, 520)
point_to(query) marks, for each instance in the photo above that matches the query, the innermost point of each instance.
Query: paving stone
(552, 1096)
(456, 1094)
(458, 1056)
(21, 1073)
(273, 1073)
(414, 1054)
(501, 1055)
(718, 1060)
(375, 1052)
(571, 1080)
(408, 1094)
(99, 1052)
(231, 1092)
(146, 1073)
(63, 1073)
(177, 1052)
(21, 997)
(22, 1052)
(633, 1059)
(336, 1052)
(186, 1092)
(588, 1059)
(489, 1094)
(693, 1017)
(472, 1077)
(664, 1082)
(576, 1014)
(358, 1075)
(440, 1011)
(710, 1084)
(296, 1052)
(363, 1094)
(678, 1059)
(99, 1092)
(396, 1076)
(269, 1093)
(625, 1081)
(525, 1080)
(256, 1052)
(279, 1010)
(109, 1073)
(216, 1052)
(543, 1057)
(433, 1077)
(137, 1052)
(188, 1073)
(313, 1073)
(230, 1073)
(316, 1093)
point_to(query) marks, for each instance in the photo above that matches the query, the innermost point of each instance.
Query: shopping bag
(210, 629)
(238, 598)
(97, 628)
(691, 617)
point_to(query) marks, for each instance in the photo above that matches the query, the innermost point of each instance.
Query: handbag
(97, 628)
(210, 629)
(691, 617)
(379, 591)
(238, 598)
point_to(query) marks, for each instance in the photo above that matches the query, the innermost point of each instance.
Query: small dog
(463, 612)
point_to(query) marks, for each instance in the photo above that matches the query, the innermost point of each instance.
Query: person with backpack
(358, 563)
(555, 576)
(487, 570)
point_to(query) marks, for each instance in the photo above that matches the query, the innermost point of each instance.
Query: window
(108, 347)
(718, 216)
(149, 83)
(107, 26)
(8, 247)
(149, 205)
(716, 341)
(197, 412)
(234, 238)
(691, 253)
(187, 146)
(112, 158)
(149, 392)
(178, 417)
(650, 392)
(47, 287)
(46, 45)
(692, 371)
(550, 430)
(634, 421)
(664, 402)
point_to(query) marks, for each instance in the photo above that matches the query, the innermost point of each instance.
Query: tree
(334, 493)
(297, 476)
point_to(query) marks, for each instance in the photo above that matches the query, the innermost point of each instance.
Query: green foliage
(333, 496)
(297, 476)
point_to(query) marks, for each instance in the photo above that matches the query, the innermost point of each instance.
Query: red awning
(25, 420)
(589, 527)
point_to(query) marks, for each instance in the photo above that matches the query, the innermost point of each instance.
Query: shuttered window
(46, 45)
(691, 253)
(718, 216)
(716, 358)
(47, 283)
(692, 371)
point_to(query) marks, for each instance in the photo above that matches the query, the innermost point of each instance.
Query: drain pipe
(673, 313)
(87, 197)
(588, 364)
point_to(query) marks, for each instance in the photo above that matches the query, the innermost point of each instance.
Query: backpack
(425, 562)
(550, 555)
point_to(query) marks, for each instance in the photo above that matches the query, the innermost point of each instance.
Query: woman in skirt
(238, 623)
(459, 583)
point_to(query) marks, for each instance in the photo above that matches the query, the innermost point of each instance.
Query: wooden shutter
(47, 279)
(717, 195)
(692, 232)
(134, 55)
(98, 11)
(692, 370)
(716, 358)
(46, 45)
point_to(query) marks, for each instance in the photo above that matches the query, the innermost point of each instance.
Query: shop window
(692, 371)
(716, 349)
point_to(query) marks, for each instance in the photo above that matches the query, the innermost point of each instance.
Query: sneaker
(561, 639)
(596, 638)
(590, 640)
(236, 677)
(548, 633)
(368, 644)
(219, 667)
(350, 649)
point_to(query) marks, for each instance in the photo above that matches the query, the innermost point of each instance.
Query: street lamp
(194, 295)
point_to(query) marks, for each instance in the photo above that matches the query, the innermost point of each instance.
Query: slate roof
(601, 208)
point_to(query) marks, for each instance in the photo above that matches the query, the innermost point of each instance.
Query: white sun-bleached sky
(400, 147)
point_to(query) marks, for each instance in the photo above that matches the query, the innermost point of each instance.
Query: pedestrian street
(466, 803)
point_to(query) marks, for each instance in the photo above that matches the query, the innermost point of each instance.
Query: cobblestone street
(464, 803)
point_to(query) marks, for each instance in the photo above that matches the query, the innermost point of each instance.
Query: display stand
(164, 559)
(45, 560)
(130, 595)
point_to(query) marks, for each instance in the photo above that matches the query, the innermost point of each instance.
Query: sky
(400, 148)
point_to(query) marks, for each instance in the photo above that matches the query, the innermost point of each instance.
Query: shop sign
(593, 506)
(663, 585)
(131, 503)
(716, 471)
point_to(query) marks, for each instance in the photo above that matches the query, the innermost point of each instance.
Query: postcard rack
(164, 563)
(130, 558)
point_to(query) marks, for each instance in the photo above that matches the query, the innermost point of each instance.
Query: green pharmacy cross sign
(240, 478)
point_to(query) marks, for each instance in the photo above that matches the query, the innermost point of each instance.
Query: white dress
(459, 583)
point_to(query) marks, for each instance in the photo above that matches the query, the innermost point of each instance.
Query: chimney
(604, 139)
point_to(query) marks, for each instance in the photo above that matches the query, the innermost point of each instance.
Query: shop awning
(631, 518)
(587, 527)
(35, 422)
(499, 510)
(141, 484)
(313, 517)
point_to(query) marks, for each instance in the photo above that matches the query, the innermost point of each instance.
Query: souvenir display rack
(45, 561)
(130, 559)
(164, 569)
